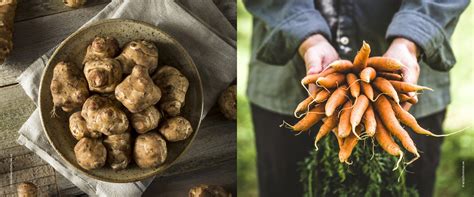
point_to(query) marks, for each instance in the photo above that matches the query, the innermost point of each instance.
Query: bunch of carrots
(361, 99)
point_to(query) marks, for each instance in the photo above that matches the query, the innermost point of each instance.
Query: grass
(457, 158)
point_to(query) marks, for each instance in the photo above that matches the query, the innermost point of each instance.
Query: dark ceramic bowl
(73, 49)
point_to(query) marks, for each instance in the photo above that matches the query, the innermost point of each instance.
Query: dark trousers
(279, 151)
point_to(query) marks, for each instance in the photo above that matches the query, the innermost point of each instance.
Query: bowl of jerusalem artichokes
(120, 100)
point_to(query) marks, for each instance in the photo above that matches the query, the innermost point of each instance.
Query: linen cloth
(208, 42)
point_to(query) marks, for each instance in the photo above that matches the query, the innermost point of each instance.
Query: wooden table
(39, 26)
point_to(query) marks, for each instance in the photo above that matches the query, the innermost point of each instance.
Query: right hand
(317, 53)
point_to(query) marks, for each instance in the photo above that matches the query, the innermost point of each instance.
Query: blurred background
(455, 175)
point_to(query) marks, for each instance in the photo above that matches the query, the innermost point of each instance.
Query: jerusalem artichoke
(176, 129)
(103, 75)
(137, 91)
(90, 153)
(78, 127)
(174, 86)
(68, 87)
(139, 52)
(228, 102)
(149, 150)
(101, 47)
(119, 150)
(7, 16)
(103, 116)
(146, 120)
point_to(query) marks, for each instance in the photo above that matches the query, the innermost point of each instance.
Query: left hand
(407, 52)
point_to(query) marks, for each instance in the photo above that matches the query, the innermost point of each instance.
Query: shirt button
(344, 40)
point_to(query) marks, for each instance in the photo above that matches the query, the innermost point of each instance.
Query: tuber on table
(174, 86)
(78, 127)
(7, 16)
(103, 116)
(27, 189)
(149, 150)
(146, 120)
(139, 52)
(103, 75)
(90, 153)
(68, 87)
(137, 91)
(228, 102)
(176, 129)
(377, 111)
(74, 3)
(101, 47)
(204, 190)
(119, 150)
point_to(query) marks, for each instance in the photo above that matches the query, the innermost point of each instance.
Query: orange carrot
(407, 119)
(341, 66)
(369, 121)
(360, 60)
(407, 87)
(367, 74)
(387, 115)
(386, 141)
(335, 100)
(313, 77)
(358, 110)
(349, 143)
(354, 86)
(406, 98)
(344, 125)
(331, 81)
(368, 90)
(386, 87)
(303, 105)
(329, 124)
(311, 118)
(340, 141)
(390, 76)
(385, 64)
(323, 95)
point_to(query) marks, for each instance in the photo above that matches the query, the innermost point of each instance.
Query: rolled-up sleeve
(288, 23)
(430, 25)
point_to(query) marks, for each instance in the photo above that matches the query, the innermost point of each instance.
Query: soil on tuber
(228, 102)
(139, 52)
(146, 120)
(78, 127)
(174, 86)
(138, 91)
(103, 116)
(68, 87)
(90, 153)
(176, 129)
(149, 150)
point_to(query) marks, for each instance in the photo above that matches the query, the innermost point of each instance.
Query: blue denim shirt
(280, 26)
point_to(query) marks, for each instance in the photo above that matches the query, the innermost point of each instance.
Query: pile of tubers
(122, 105)
(361, 99)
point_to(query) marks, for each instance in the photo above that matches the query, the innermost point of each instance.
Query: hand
(407, 52)
(317, 53)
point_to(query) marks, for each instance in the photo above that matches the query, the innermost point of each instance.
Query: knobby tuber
(102, 47)
(149, 150)
(7, 16)
(207, 191)
(74, 3)
(176, 129)
(90, 153)
(68, 87)
(27, 189)
(78, 127)
(137, 91)
(103, 75)
(174, 86)
(119, 150)
(139, 52)
(146, 120)
(103, 116)
(228, 102)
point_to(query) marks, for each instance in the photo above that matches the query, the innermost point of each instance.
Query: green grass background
(457, 159)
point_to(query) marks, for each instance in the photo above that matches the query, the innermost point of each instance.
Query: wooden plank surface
(30, 9)
(34, 37)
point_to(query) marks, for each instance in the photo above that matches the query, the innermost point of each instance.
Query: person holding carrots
(292, 39)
